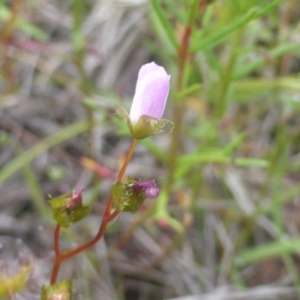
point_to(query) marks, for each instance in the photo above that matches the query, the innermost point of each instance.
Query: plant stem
(5, 38)
(56, 240)
(57, 255)
(127, 159)
(107, 217)
(178, 109)
(55, 270)
(98, 236)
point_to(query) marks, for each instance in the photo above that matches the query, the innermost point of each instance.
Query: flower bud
(129, 194)
(61, 290)
(149, 101)
(151, 93)
(68, 209)
(75, 200)
(148, 187)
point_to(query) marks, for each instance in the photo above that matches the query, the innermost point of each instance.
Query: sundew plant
(149, 149)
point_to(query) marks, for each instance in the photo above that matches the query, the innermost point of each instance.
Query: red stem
(113, 215)
(127, 159)
(178, 110)
(56, 240)
(107, 217)
(182, 55)
(92, 242)
(55, 269)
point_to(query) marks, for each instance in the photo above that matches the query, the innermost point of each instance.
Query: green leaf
(199, 42)
(189, 90)
(274, 53)
(235, 143)
(164, 22)
(32, 30)
(186, 162)
(49, 142)
(251, 162)
(155, 149)
(23, 25)
(266, 251)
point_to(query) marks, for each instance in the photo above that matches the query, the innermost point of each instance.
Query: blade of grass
(49, 142)
(274, 53)
(37, 195)
(200, 42)
(266, 251)
(161, 17)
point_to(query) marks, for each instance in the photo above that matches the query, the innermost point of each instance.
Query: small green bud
(58, 291)
(68, 209)
(145, 126)
(130, 194)
(125, 197)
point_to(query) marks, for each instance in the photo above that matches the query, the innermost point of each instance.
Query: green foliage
(231, 82)
(23, 25)
(49, 142)
(268, 250)
(163, 25)
(205, 39)
(229, 170)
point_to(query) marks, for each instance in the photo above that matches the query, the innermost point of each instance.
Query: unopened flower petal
(151, 93)
(150, 188)
(152, 192)
(76, 199)
(150, 68)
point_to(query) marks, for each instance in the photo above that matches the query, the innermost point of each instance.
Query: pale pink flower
(151, 93)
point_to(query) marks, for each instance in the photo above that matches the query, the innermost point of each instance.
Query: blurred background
(227, 222)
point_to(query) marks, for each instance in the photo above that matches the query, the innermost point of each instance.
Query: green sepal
(61, 290)
(67, 216)
(146, 126)
(122, 113)
(60, 201)
(126, 198)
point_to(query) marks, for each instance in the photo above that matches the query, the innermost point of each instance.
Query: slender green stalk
(178, 111)
(226, 79)
(79, 45)
(36, 192)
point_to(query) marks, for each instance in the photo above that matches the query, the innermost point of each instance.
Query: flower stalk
(107, 217)
(148, 106)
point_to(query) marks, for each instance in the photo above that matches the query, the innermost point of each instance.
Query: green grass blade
(161, 16)
(199, 42)
(41, 147)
